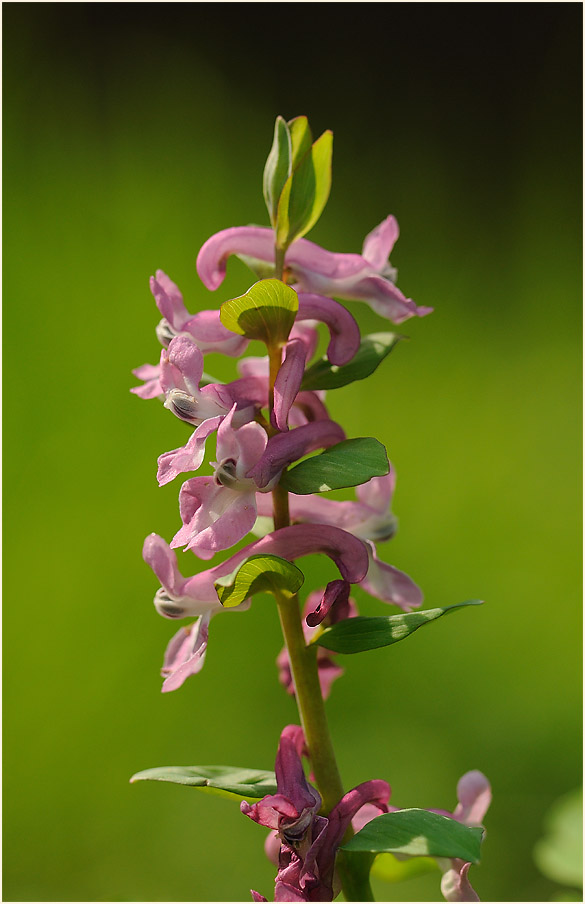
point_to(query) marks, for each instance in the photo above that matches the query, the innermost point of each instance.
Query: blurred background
(132, 133)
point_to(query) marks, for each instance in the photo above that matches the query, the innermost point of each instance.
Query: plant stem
(279, 262)
(305, 674)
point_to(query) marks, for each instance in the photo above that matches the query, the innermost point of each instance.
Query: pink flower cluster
(219, 510)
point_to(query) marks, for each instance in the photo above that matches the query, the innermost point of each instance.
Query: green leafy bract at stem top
(278, 167)
(301, 139)
(258, 574)
(305, 192)
(226, 781)
(418, 833)
(356, 635)
(266, 312)
(347, 464)
(372, 351)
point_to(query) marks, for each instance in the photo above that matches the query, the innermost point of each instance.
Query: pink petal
(182, 366)
(245, 445)
(210, 334)
(169, 300)
(188, 658)
(389, 584)
(455, 885)
(474, 794)
(163, 562)
(288, 381)
(377, 493)
(284, 448)
(336, 591)
(308, 407)
(344, 331)
(150, 373)
(190, 456)
(378, 244)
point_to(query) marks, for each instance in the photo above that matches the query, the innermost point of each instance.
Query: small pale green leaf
(301, 139)
(419, 833)
(278, 167)
(372, 351)
(259, 574)
(305, 193)
(227, 781)
(355, 635)
(347, 464)
(267, 312)
(391, 869)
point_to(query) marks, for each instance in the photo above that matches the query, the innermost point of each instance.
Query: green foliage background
(132, 133)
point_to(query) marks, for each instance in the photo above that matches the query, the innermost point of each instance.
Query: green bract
(267, 312)
(258, 574)
(305, 192)
(278, 167)
(355, 635)
(301, 139)
(419, 833)
(297, 178)
(372, 351)
(227, 781)
(347, 464)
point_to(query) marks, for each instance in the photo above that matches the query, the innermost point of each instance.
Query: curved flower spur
(278, 454)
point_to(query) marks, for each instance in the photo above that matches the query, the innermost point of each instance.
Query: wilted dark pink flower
(367, 277)
(308, 842)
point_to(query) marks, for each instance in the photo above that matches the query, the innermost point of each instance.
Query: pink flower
(218, 511)
(181, 597)
(367, 277)
(308, 842)
(181, 371)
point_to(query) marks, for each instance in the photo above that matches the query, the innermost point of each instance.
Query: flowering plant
(267, 420)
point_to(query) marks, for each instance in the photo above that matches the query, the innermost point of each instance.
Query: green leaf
(278, 167)
(419, 833)
(305, 193)
(301, 139)
(391, 869)
(355, 635)
(559, 855)
(258, 574)
(372, 351)
(267, 312)
(346, 464)
(227, 781)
